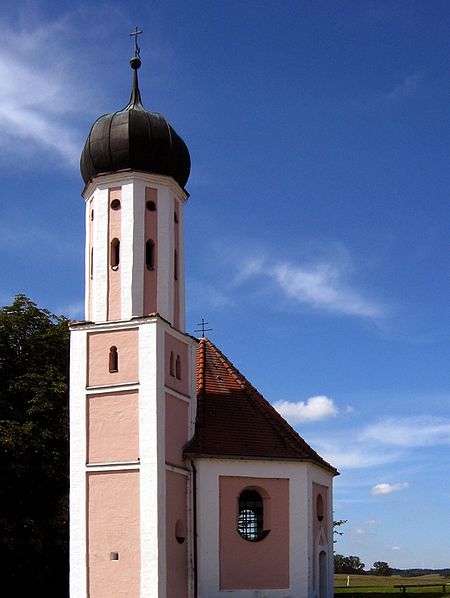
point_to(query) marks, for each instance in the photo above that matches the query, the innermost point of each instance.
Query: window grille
(251, 516)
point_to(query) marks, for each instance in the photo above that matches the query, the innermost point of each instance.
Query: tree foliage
(381, 568)
(348, 564)
(34, 357)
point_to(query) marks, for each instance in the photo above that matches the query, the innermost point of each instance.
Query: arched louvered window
(115, 253)
(178, 368)
(113, 360)
(150, 254)
(250, 523)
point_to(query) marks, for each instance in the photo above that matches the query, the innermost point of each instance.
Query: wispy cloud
(354, 456)
(319, 285)
(409, 432)
(384, 488)
(313, 409)
(405, 88)
(37, 92)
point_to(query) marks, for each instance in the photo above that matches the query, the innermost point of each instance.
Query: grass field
(375, 585)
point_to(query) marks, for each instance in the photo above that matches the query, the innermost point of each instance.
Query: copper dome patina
(135, 139)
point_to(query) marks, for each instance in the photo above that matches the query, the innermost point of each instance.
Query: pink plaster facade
(176, 535)
(249, 565)
(175, 349)
(177, 422)
(114, 294)
(151, 234)
(113, 427)
(99, 346)
(114, 531)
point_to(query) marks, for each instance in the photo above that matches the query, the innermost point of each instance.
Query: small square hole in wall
(113, 556)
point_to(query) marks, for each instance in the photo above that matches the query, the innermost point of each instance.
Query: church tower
(133, 399)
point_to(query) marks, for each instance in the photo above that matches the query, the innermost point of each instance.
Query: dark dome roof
(135, 139)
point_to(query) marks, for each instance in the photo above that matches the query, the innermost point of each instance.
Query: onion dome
(135, 139)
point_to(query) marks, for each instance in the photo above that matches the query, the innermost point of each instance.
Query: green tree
(34, 357)
(381, 568)
(348, 564)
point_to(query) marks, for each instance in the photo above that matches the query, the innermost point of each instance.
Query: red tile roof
(235, 420)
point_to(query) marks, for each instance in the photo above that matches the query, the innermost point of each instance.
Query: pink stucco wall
(254, 565)
(114, 299)
(176, 553)
(113, 427)
(177, 420)
(113, 526)
(99, 344)
(178, 348)
(151, 232)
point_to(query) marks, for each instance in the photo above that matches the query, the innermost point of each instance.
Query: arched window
(178, 368)
(113, 360)
(150, 254)
(250, 523)
(319, 507)
(151, 206)
(115, 253)
(172, 364)
(175, 264)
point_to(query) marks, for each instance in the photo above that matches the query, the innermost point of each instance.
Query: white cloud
(37, 92)
(342, 456)
(409, 431)
(379, 489)
(396, 547)
(405, 88)
(320, 285)
(314, 409)
(358, 532)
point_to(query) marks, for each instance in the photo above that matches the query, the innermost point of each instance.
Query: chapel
(184, 481)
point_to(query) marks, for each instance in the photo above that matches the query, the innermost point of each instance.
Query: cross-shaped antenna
(137, 50)
(203, 328)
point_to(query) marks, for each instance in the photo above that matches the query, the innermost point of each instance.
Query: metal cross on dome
(203, 328)
(137, 50)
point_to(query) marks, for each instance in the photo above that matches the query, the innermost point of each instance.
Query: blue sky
(316, 230)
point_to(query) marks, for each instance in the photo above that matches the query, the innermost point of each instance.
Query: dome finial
(135, 63)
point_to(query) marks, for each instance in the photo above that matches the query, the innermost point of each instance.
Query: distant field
(384, 586)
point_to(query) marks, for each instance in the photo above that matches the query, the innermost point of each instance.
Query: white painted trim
(122, 178)
(113, 466)
(181, 274)
(150, 481)
(78, 531)
(87, 258)
(126, 245)
(177, 395)
(137, 289)
(176, 469)
(101, 255)
(112, 388)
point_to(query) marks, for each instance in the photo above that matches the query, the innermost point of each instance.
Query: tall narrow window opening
(178, 368)
(172, 364)
(113, 360)
(175, 217)
(250, 523)
(115, 253)
(175, 264)
(150, 255)
(91, 264)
